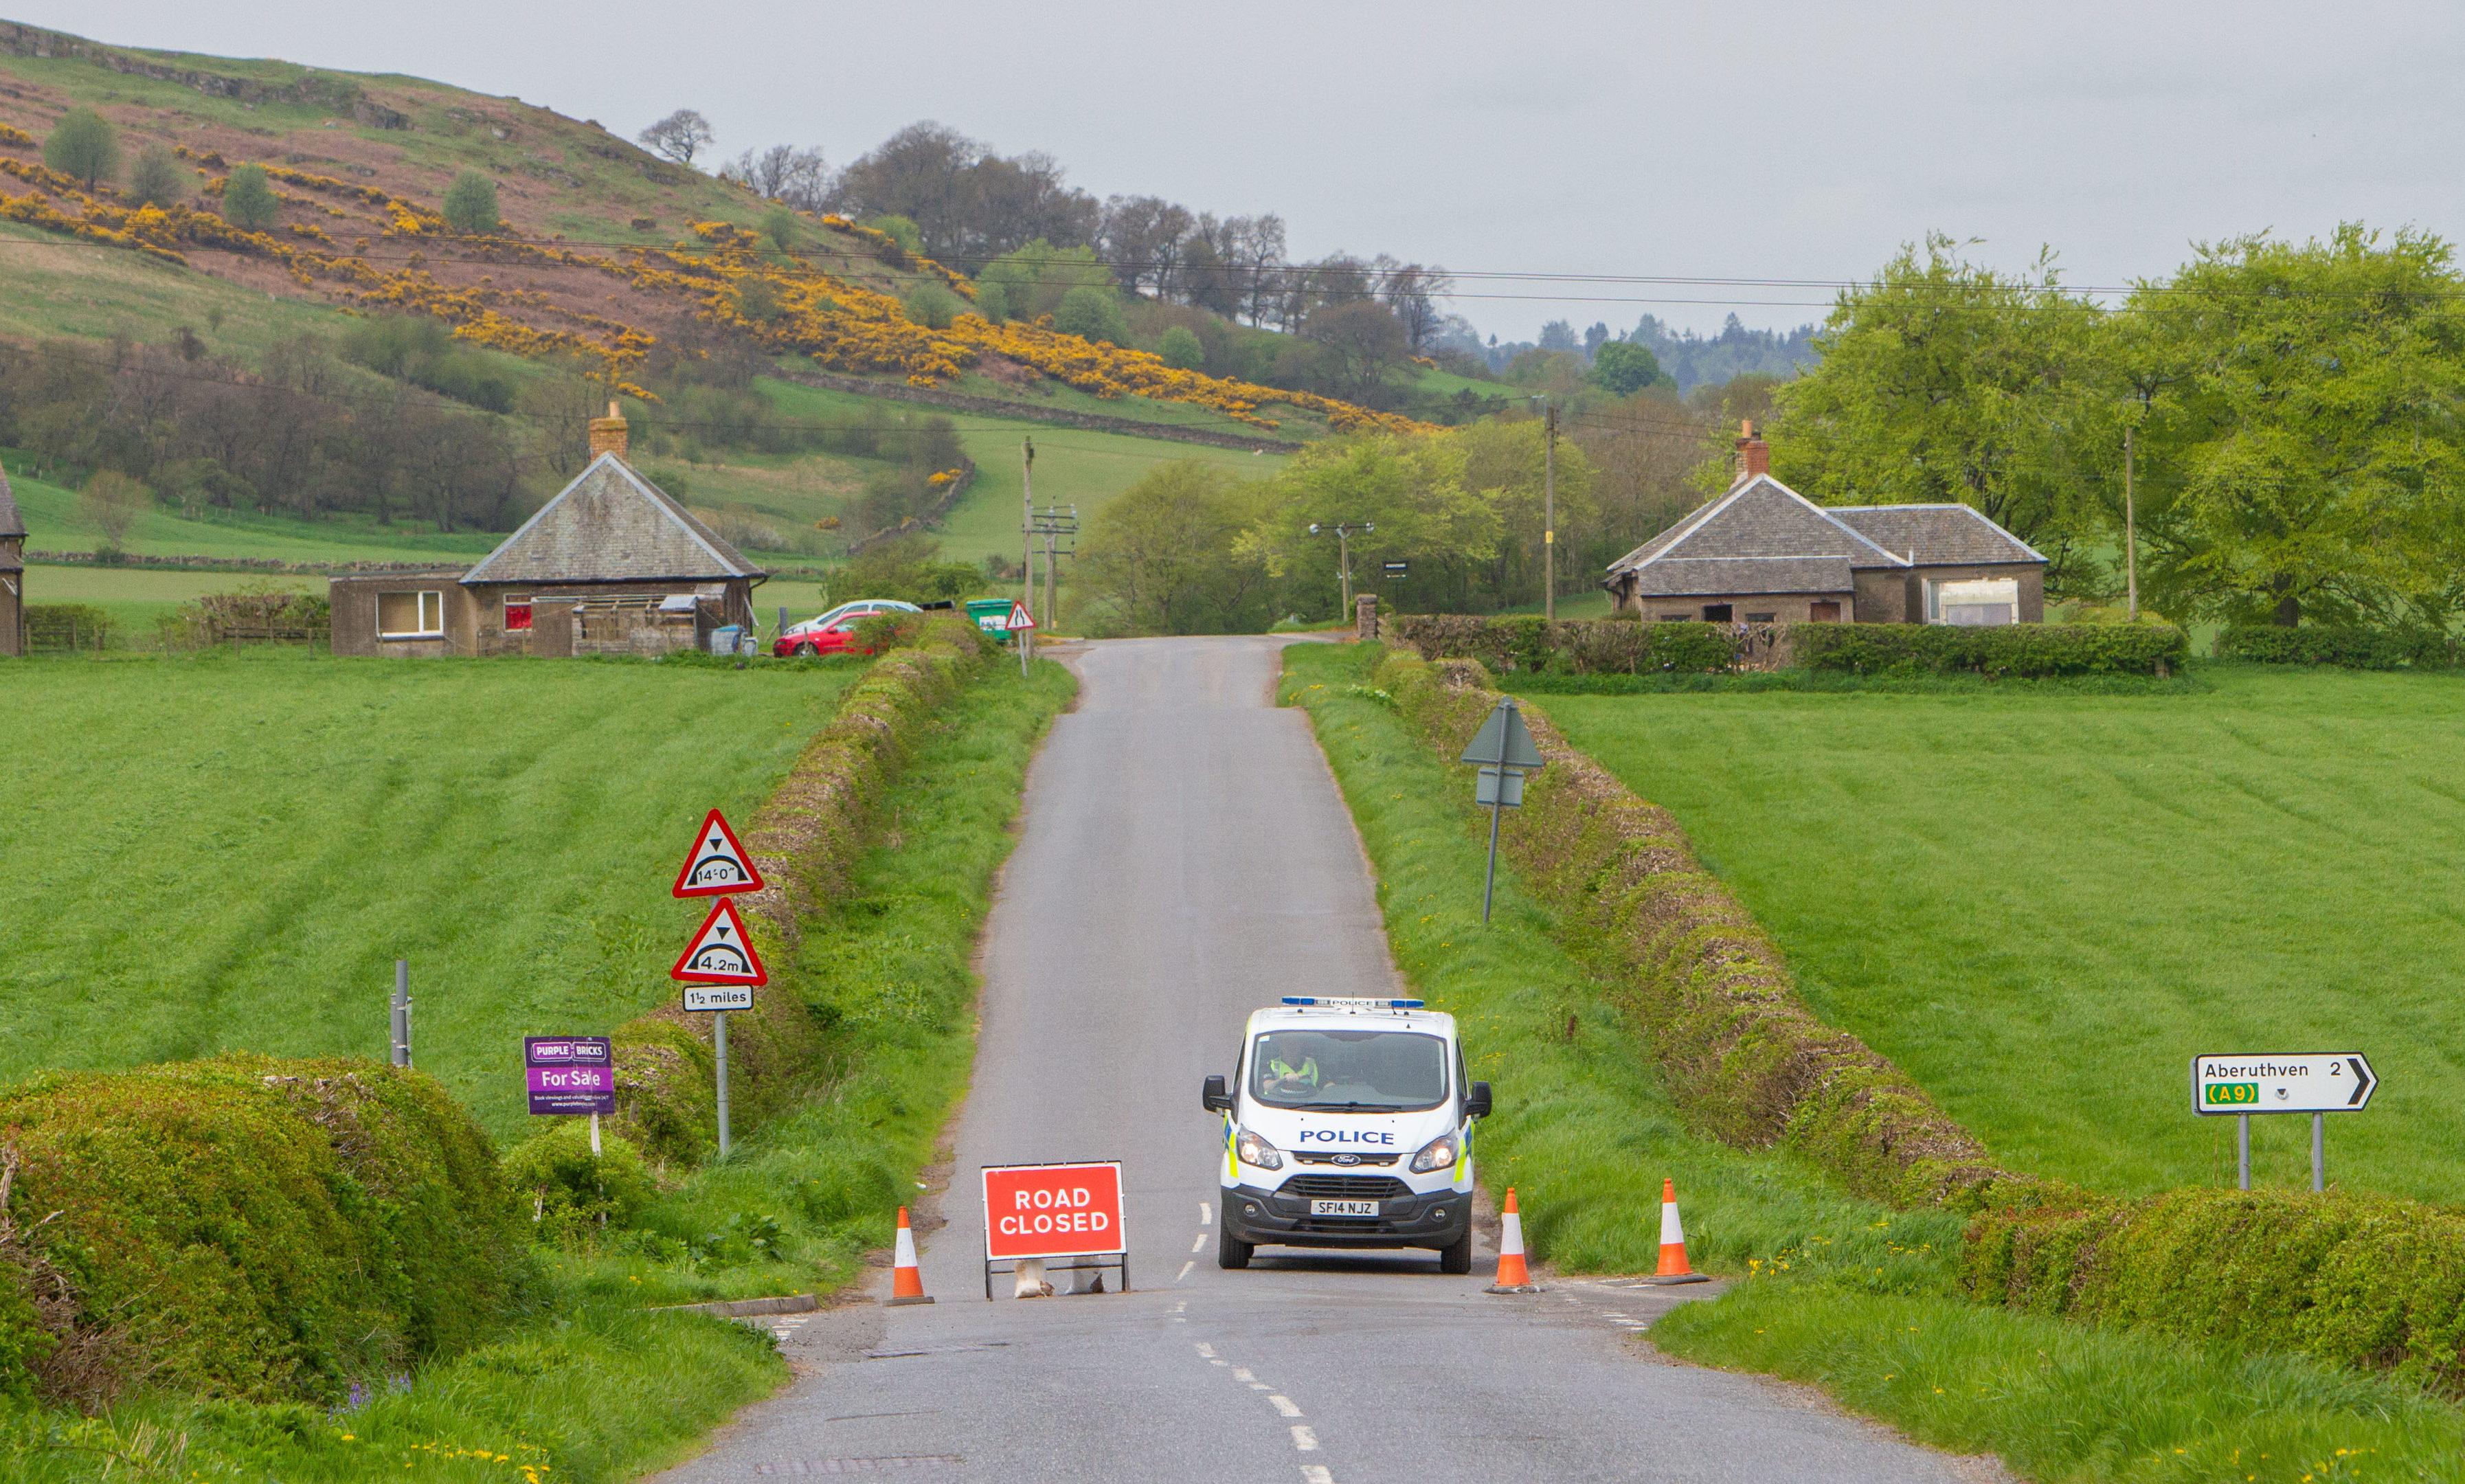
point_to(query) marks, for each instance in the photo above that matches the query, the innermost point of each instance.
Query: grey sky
(1757, 141)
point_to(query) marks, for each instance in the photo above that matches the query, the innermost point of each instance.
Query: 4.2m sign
(2308, 1082)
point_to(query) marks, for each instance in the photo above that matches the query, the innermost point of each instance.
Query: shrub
(471, 204)
(258, 1228)
(2354, 648)
(1181, 349)
(248, 201)
(1527, 643)
(993, 301)
(67, 626)
(83, 146)
(572, 1193)
(933, 306)
(1092, 314)
(157, 179)
(2021, 650)
(902, 231)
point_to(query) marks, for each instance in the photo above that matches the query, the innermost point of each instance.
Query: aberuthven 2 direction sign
(2309, 1082)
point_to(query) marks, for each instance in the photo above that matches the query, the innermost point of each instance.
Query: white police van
(1351, 1126)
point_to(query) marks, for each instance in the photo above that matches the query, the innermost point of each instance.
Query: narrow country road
(1186, 860)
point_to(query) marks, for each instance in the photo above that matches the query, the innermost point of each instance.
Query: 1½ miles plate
(1343, 1208)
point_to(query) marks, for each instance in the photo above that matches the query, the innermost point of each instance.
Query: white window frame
(432, 614)
(1943, 594)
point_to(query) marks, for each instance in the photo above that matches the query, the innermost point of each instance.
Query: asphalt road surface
(1186, 860)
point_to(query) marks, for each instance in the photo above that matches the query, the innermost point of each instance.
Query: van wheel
(1455, 1259)
(1231, 1253)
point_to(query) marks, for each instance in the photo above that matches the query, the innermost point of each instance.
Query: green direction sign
(1503, 741)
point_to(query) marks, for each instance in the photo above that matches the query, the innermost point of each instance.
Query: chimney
(1754, 455)
(607, 434)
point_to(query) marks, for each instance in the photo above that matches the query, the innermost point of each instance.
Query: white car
(1349, 1124)
(860, 608)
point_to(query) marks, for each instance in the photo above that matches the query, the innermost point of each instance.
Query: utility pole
(1052, 522)
(1549, 514)
(2130, 532)
(1027, 521)
(1344, 551)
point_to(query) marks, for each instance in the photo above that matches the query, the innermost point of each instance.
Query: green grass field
(2042, 905)
(219, 854)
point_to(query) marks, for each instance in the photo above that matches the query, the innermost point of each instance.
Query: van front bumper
(1434, 1219)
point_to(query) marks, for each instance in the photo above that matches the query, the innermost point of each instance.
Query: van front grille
(1345, 1188)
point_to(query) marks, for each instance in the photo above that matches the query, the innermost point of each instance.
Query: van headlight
(1255, 1150)
(1437, 1154)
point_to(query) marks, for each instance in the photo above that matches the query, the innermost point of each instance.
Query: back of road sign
(2306, 1082)
(1503, 741)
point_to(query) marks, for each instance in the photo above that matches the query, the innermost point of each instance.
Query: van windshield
(1349, 1071)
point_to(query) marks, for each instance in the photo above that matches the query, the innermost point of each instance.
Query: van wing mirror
(1476, 1104)
(1213, 1098)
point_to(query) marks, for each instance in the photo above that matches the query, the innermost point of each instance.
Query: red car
(837, 637)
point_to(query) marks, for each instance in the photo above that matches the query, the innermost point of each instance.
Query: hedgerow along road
(1187, 858)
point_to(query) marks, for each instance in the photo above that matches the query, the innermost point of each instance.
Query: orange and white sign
(1053, 1210)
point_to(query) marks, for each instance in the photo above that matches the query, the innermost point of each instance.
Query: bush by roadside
(2353, 649)
(1526, 644)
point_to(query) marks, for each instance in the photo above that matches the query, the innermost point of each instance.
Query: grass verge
(1844, 1294)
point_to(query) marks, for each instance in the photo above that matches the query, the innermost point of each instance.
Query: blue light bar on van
(1324, 1003)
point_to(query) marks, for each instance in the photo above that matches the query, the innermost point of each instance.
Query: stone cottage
(1762, 553)
(612, 566)
(12, 572)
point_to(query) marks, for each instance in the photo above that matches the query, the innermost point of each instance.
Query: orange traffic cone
(1673, 1242)
(906, 1279)
(1512, 1277)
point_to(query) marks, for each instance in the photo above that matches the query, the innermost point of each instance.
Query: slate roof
(1761, 536)
(1939, 535)
(608, 525)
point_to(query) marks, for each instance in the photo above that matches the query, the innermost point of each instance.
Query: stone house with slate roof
(12, 572)
(1762, 553)
(612, 566)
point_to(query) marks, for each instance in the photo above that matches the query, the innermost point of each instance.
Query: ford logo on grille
(1348, 1159)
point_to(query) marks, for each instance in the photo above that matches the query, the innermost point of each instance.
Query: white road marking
(1283, 1406)
(1185, 1271)
(1198, 1243)
(1304, 1439)
(1219, 1363)
(1316, 1473)
(1177, 1308)
(1206, 1352)
(1243, 1374)
(1206, 1214)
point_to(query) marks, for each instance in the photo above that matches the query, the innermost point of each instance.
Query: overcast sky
(1728, 142)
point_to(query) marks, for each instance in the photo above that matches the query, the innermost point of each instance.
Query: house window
(411, 615)
(1823, 612)
(1676, 618)
(1761, 618)
(1715, 612)
(518, 613)
(1974, 604)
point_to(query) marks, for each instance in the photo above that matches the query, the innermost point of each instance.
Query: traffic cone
(1512, 1277)
(1673, 1242)
(906, 1279)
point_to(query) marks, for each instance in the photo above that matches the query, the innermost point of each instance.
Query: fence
(66, 626)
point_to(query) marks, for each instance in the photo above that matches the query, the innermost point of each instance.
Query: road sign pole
(2319, 1152)
(719, 1039)
(1489, 883)
(401, 1051)
(2242, 1151)
(594, 1136)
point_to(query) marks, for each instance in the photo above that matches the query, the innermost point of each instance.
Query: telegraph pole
(1344, 551)
(1027, 521)
(1549, 515)
(2130, 531)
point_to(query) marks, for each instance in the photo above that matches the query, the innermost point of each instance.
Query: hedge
(2018, 651)
(2373, 1283)
(243, 1227)
(2354, 648)
(1743, 1059)
(1527, 643)
(803, 839)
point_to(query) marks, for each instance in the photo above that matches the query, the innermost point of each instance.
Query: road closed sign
(2301, 1082)
(1053, 1210)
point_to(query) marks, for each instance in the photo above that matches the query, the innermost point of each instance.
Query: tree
(2306, 441)
(1411, 486)
(111, 502)
(1166, 554)
(899, 230)
(796, 178)
(83, 146)
(1411, 292)
(1092, 314)
(933, 306)
(1368, 342)
(1181, 349)
(1033, 278)
(970, 203)
(1623, 369)
(248, 201)
(471, 204)
(157, 179)
(679, 136)
(1943, 382)
(1144, 237)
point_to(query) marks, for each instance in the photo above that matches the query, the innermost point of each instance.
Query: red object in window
(518, 616)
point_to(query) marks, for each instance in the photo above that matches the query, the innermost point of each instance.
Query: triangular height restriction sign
(721, 953)
(717, 864)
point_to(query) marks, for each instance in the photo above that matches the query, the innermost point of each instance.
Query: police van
(1348, 1123)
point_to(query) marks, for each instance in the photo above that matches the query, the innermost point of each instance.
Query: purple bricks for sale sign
(570, 1073)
